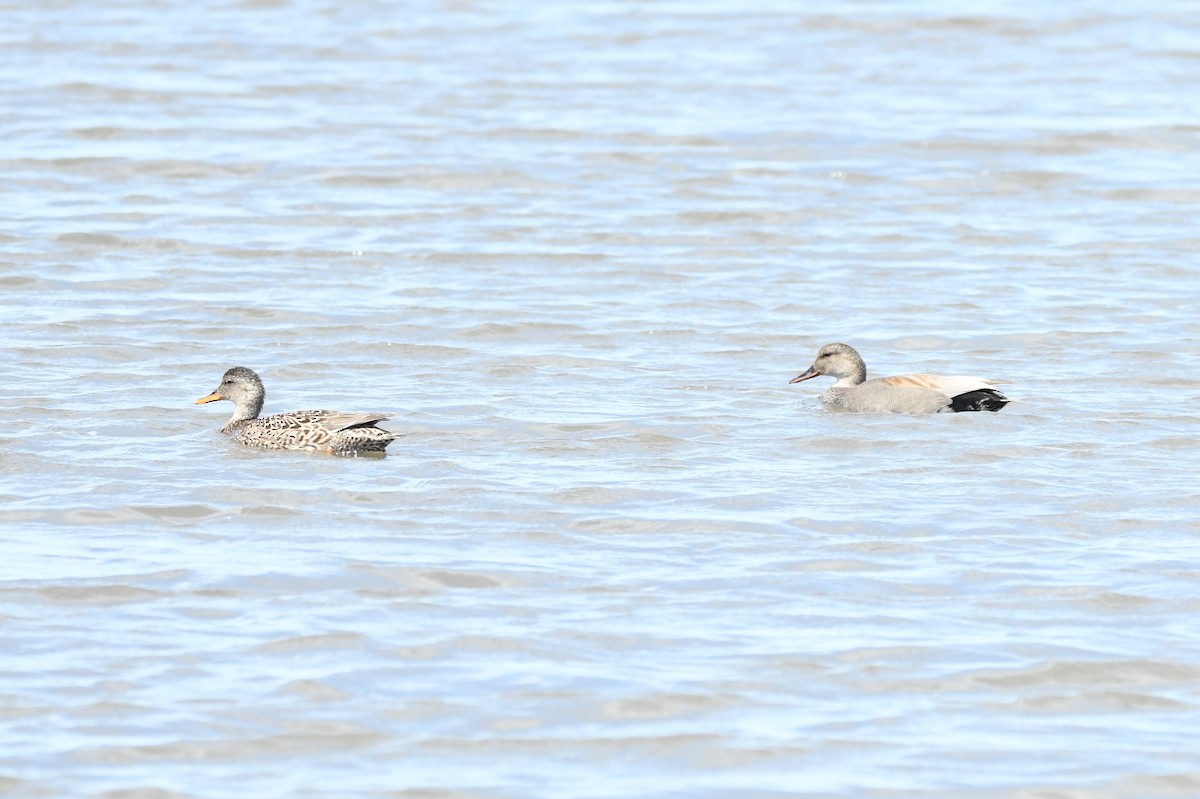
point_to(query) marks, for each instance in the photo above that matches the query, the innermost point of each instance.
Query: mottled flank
(917, 393)
(335, 432)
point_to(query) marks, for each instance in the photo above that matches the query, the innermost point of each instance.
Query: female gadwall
(328, 431)
(900, 394)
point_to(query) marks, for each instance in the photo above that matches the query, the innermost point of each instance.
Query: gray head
(243, 388)
(836, 360)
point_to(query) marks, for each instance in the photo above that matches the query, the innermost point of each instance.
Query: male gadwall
(328, 431)
(899, 394)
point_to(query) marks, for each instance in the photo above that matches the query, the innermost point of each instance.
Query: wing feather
(950, 385)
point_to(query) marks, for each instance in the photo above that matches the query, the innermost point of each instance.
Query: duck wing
(336, 421)
(950, 385)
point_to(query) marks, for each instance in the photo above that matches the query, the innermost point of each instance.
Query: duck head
(836, 360)
(243, 388)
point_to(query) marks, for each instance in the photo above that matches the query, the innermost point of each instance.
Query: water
(578, 249)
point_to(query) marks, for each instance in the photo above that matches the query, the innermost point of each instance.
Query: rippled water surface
(577, 249)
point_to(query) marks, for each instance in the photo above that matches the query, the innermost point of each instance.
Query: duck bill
(809, 375)
(213, 397)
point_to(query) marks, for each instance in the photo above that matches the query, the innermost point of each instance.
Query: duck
(917, 393)
(334, 432)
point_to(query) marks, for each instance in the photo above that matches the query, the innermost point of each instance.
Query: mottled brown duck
(334, 432)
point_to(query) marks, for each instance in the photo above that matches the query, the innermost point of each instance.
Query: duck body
(335, 432)
(916, 393)
(332, 431)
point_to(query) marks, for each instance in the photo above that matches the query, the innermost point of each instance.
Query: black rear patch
(981, 399)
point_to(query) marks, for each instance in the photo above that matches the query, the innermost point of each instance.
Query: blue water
(577, 250)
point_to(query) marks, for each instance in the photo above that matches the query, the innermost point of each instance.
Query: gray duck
(918, 393)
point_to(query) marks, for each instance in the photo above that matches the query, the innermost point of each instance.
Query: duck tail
(982, 399)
